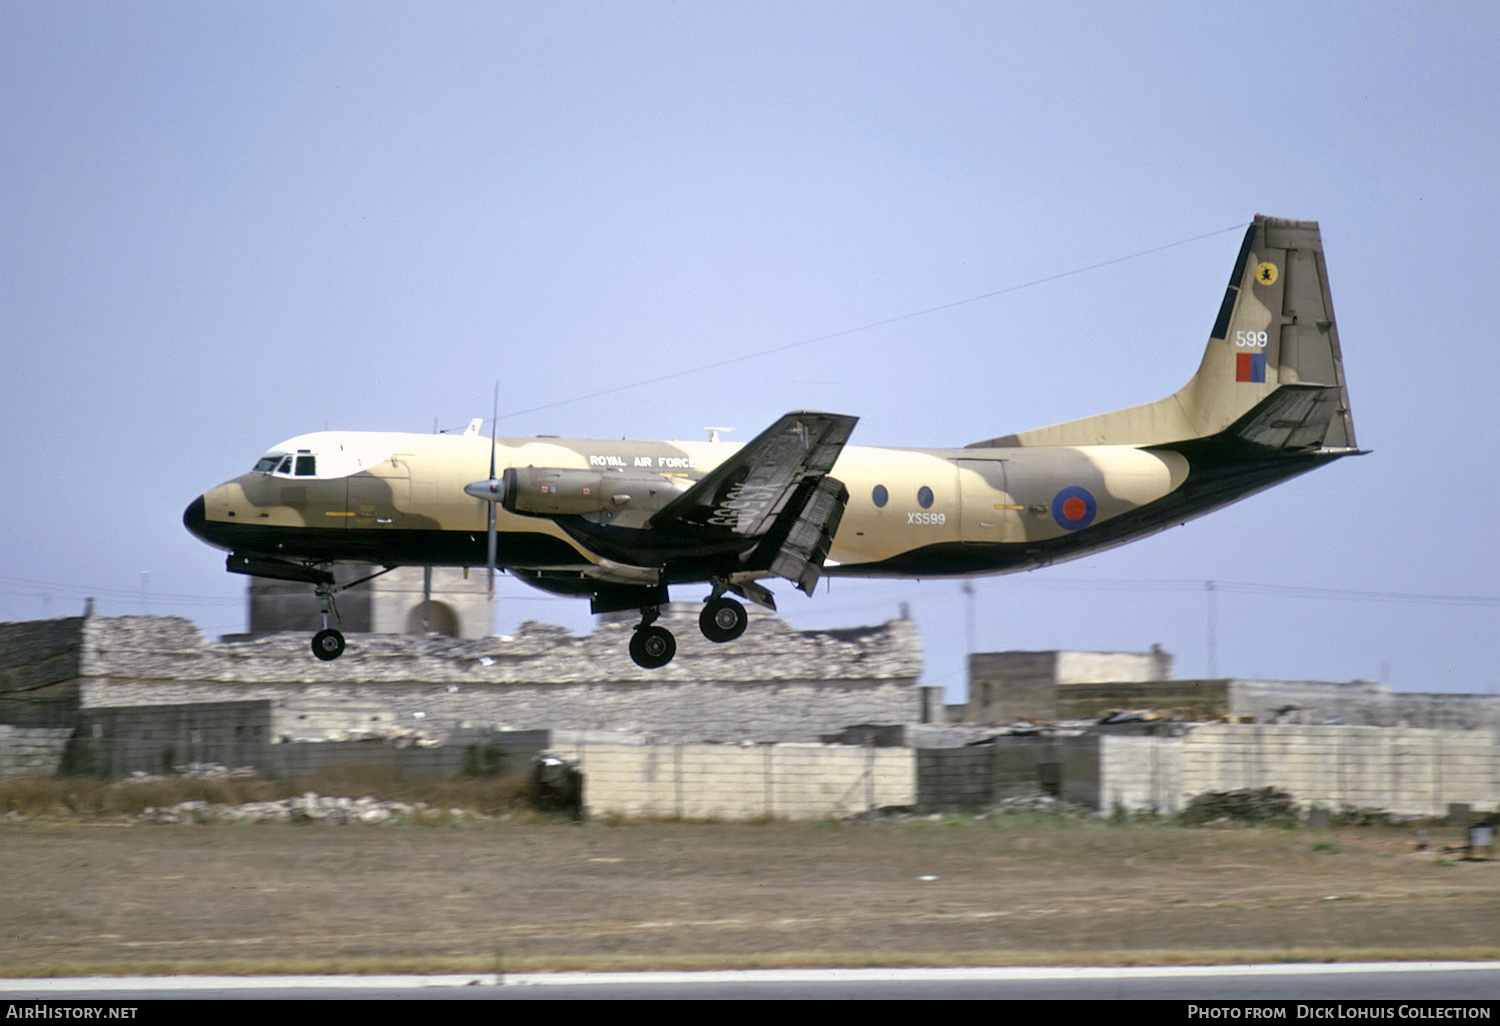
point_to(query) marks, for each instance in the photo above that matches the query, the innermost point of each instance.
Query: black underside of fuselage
(1213, 483)
(380, 546)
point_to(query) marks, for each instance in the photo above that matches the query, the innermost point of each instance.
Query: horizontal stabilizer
(1295, 417)
(1293, 420)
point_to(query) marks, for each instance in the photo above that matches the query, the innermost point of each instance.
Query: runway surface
(1458, 982)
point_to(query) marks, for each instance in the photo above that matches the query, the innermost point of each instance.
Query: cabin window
(924, 497)
(880, 496)
(266, 464)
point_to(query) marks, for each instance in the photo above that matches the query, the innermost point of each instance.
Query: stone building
(1046, 687)
(1008, 686)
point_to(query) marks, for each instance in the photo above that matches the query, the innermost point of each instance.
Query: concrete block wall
(115, 742)
(953, 779)
(1140, 774)
(784, 781)
(1409, 771)
(165, 738)
(1064, 767)
(26, 751)
(293, 761)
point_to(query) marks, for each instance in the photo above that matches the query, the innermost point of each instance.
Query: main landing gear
(652, 646)
(723, 619)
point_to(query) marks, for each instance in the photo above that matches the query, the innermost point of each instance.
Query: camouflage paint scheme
(618, 521)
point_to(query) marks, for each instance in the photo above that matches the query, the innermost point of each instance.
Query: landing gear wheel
(328, 645)
(722, 619)
(651, 647)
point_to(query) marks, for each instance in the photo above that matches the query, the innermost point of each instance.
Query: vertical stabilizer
(1275, 327)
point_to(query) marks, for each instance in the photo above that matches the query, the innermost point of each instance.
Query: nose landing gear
(327, 644)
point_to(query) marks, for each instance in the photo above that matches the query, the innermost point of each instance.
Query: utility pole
(1213, 629)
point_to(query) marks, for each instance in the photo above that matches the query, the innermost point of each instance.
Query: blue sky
(225, 224)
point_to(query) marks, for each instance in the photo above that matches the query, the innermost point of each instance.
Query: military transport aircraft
(620, 522)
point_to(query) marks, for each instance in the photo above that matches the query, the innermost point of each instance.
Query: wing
(776, 488)
(747, 492)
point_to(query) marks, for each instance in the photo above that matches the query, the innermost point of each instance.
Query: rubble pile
(307, 808)
(1038, 802)
(1249, 805)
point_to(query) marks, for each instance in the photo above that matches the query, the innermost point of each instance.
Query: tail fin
(1275, 328)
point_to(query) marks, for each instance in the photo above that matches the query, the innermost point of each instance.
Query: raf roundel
(1074, 508)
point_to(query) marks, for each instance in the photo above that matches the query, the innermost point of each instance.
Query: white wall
(785, 781)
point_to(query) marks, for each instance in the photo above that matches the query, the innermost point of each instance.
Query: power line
(870, 326)
(1278, 590)
(29, 587)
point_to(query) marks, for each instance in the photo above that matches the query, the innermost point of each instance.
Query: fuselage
(398, 499)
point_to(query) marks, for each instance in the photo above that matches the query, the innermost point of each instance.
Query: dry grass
(87, 797)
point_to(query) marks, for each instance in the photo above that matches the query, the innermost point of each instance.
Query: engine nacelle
(563, 491)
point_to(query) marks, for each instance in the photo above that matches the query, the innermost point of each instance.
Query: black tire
(722, 619)
(328, 645)
(652, 647)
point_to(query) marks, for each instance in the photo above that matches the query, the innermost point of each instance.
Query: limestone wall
(773, 684)
(39, 667)
(1361, 703)
(786, 781)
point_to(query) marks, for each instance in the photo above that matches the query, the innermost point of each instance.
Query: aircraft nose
(194, 517)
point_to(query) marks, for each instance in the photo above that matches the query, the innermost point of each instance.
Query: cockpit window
(303, 464)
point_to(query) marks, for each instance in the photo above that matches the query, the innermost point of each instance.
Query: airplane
(622, 522)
